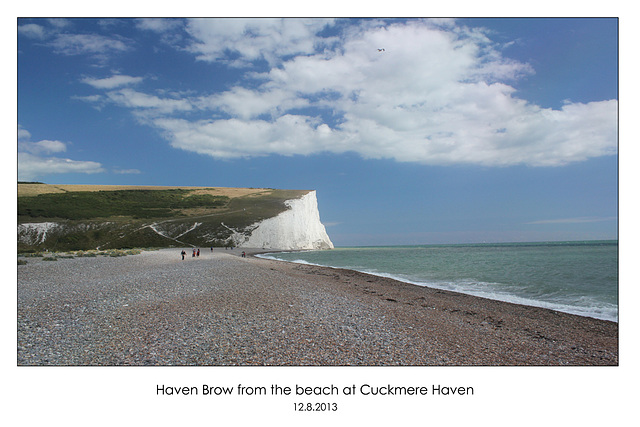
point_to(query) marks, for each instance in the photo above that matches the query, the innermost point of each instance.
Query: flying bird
(380, 50)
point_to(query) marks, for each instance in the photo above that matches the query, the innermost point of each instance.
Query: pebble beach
(221, 309)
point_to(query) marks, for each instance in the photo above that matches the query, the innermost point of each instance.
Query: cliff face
(299, 227)
(258, 218)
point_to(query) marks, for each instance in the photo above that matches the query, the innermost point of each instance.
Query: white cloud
(252, 39)
(44, 146)
(33, 31)
(33, 163)
(287, 135)
(31, 166)
(149, 103)
(80, 44)
(57, 34)
(23, 134)
(158, 25)
(53, 30)
(436, 94)
(59, 23)
(93, 99)
(112, 82)
(40, 147)
(246, 103)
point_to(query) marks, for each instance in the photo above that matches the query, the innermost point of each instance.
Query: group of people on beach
(196, 253)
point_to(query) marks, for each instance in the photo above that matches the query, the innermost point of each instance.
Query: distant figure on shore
(193, 255)
(244, 255)
(198, 253)
(211, 248)
(183, 253)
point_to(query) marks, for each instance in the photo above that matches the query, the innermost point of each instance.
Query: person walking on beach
(198, 253)
(244, 255)
(183, 253)
(193, 255)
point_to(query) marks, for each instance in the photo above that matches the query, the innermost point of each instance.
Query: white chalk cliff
(298, 227)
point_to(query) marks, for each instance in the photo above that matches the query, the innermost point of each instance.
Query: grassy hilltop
(78, 217)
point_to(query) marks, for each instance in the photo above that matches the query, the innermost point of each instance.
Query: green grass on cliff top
(148, 203)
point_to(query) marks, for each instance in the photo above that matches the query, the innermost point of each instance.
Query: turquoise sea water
(573, 277)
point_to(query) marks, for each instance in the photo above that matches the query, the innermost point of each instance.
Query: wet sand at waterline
(222, 309)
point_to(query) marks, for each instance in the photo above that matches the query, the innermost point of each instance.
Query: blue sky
(412, 131)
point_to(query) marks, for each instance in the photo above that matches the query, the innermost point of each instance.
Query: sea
(579, 277)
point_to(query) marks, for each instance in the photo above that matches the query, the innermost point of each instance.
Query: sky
(412, 131)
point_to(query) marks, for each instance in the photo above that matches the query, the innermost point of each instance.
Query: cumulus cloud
(33, 161)
(247, 103)
(420, 91)
(287, 135)
(240, 41)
